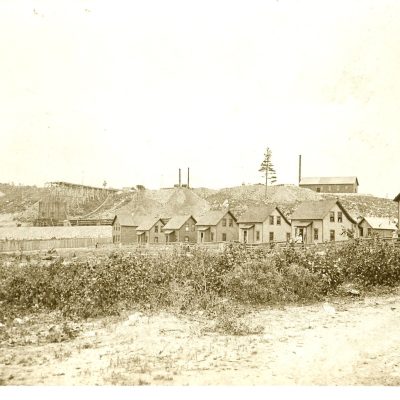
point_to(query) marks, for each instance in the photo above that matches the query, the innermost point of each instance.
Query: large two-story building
(331, 184)
(322, 221)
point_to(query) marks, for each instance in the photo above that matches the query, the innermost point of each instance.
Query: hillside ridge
(20, 203)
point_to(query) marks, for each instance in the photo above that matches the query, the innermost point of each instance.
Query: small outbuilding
(382, 227)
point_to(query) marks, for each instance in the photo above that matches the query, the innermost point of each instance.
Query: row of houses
(311, 222)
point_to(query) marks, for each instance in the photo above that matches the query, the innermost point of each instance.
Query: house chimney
(299, 168)
(179, 177)
(188, 178)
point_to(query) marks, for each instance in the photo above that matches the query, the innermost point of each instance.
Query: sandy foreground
(351, 342)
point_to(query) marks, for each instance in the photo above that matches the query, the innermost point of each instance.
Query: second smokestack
(299, 169)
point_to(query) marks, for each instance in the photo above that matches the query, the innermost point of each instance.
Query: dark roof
(335, 180)
(213, 217)
(177, 222)
(127, 219)
(259, 214)
(309, 210)
(397, 198)
(124, 219)
(147, 223)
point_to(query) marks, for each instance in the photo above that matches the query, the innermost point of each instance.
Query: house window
(288, 236)
(155, 239)
(332, 235)
(212, 236)
(315, 233)
(339, 216)
(271, 220)
(278, 220)
(230, 222)
(187, 227)
(361, 232)
(332, 216)
(318, 189)
(369, 231)
(156, 229)
(224, 222)
(224, 237)
(257, 235)
(193, 228)
(271, 236)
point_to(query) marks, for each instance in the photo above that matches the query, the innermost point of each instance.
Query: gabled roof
(124, 219)
(177, 222)
(397, 198)
(259, 214)
(127, 219)
(380, 223)
(147, 223)
(311, 210)
(336, 180)
(213, 217)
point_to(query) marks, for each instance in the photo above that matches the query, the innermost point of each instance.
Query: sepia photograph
(199, 194)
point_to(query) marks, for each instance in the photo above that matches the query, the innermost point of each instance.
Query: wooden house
(150, 230)
(397, 199)
(321, 221)
(383, 227)
(264, 224)
(124, 228)
(180, 228)
(217, 226)
(344, 184)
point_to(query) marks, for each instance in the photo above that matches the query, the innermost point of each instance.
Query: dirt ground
(348, 342)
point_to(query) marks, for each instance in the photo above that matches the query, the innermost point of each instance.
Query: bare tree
(268, 169)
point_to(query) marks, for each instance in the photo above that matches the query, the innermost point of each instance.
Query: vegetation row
(107, 284)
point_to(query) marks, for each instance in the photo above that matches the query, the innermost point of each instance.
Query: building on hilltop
(264, 225)
(331, 184)
(383, 227)
(322, 221)
(217, 226)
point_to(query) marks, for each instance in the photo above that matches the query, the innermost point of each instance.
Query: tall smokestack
(179, 177)
(299, 168)
(188, 178)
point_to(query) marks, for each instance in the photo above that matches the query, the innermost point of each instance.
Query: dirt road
(355, 342)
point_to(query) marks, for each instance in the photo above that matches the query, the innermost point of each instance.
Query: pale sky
(129, 91)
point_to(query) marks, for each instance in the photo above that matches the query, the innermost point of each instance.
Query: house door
(245, 236)
(201, 237)
(300, 236)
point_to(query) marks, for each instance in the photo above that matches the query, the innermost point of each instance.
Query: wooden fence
(154, 248)
(47, 244)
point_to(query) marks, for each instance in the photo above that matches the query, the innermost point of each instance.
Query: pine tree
(268, 170)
